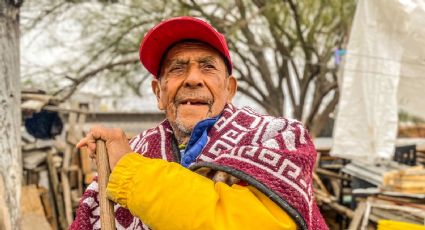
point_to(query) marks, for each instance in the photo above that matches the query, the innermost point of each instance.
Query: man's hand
(217, 176)
(116, 143)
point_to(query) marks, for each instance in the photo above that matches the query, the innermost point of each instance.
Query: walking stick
(107, 219)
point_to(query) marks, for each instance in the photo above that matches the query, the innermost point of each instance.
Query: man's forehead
(181, 49)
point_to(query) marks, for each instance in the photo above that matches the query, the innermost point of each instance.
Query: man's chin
(188, 123)
(192, 115)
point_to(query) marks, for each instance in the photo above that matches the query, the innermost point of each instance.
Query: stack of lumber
(393, 192)
(410, 180)
(54, 167)
(59, 171)
(378, 207)
(372, 172)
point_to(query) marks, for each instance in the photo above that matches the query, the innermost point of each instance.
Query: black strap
(176, 151)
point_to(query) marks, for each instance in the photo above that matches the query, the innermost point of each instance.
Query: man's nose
(193, 79)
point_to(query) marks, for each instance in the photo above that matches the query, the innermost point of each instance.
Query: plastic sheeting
(384, 70)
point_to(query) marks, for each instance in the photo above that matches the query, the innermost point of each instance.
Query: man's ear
(156, 89)
(232, 87)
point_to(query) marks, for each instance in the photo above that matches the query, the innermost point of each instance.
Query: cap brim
(161, 37)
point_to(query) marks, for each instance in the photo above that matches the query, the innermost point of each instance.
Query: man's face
(193, 85)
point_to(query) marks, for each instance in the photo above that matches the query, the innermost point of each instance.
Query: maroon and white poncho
(275, 155)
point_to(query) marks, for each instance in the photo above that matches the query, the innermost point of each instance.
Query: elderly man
(209, 165)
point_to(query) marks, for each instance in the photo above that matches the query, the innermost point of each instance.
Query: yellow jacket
(165, 195)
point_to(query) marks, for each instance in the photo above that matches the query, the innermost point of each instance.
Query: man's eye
(176, 68)
(209, 67)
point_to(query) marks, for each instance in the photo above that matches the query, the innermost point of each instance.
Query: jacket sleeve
(165, 195)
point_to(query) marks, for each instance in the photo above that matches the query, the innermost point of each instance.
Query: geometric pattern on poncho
(275, 155)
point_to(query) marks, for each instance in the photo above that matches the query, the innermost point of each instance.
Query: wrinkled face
(194, 85)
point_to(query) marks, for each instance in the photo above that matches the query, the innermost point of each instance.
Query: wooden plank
(319, 182)
(30, 200)
(411, 211)
(76, 176)
(336, 187)
(32, 211)
(38, 144)
(71, 139)
(71, 135)
(32, 159)
(81, 119)
(58, 200)
(33, 105)
(31, 221)
(74, 170)
(66, 190)
(396, 216)
(409, 180)
(79, 181)
(366, 215)
(26, 137)
(36, 96)
(49, 209)
(86, 164)
(358, 214)
(329, 173)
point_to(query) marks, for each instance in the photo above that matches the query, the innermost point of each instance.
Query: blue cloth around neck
(197, 141)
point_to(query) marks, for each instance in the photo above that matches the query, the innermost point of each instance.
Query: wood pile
(410, 180)
(379, 206)
(53, 169)
(393, 192)
(420, 157)
(54, 166)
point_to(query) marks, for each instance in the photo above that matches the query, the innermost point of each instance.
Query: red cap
(168, 32)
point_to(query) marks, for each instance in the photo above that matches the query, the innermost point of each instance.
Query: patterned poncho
(275, 155)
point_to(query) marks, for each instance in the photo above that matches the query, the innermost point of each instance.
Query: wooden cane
(107, 218)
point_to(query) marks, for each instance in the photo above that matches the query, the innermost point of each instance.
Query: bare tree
(283, 51)
(107, 42)
(10, 115)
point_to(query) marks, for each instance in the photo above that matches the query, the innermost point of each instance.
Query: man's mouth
(194, 102)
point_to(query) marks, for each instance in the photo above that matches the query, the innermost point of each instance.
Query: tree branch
(320, 120)
(71, 89)
(46, 13)
(317, 101)
(297, 19)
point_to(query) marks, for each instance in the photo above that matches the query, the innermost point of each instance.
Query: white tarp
(384, 70)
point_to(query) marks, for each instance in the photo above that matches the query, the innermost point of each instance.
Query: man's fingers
(220, 177)
(86, 140)
(103, 133)
(81, 143)
(228, 179)
(232, 180)
(97, 132)
(91, 147)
